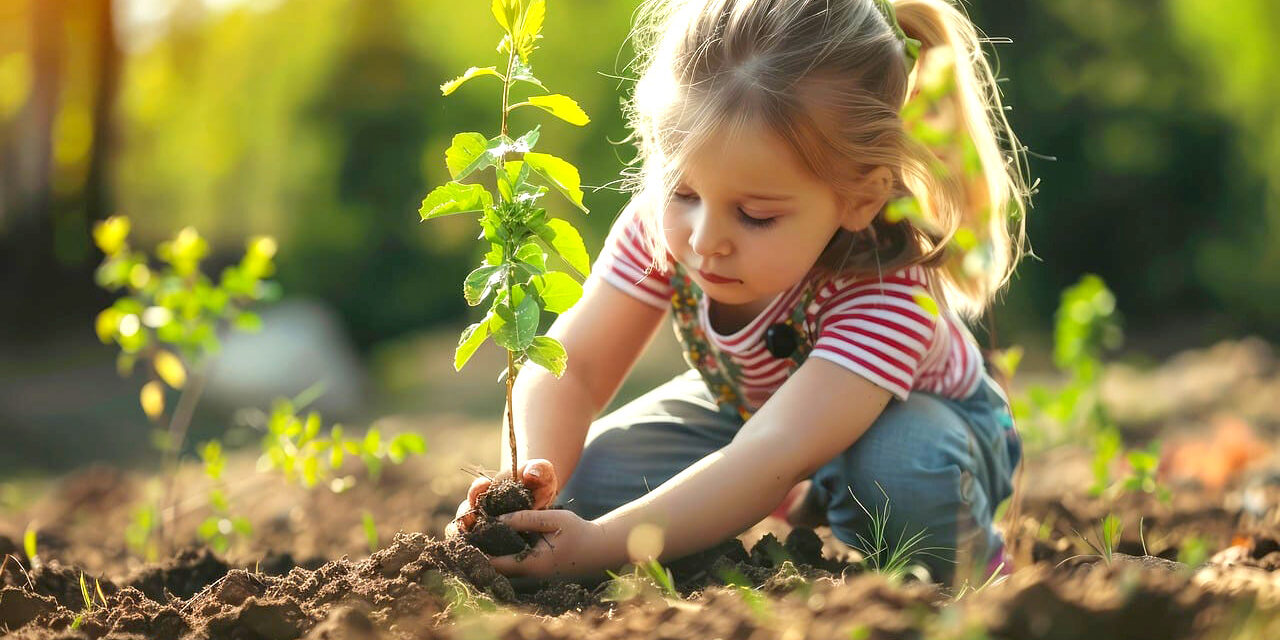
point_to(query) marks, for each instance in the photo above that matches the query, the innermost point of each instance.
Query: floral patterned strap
(721, 374)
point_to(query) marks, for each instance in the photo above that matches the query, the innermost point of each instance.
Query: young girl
(824, 335)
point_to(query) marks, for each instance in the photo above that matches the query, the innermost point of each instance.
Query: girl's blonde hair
(830, 78)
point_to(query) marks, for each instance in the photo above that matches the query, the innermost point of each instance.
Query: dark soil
(404, 590)
(493, 537)
(307, 572)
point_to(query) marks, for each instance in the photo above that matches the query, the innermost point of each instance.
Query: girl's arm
(603, 335)
(816, 414)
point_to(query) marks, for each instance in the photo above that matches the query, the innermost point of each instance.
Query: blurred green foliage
(318, 122)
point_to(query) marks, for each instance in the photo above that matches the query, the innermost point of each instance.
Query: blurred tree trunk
(39, 215)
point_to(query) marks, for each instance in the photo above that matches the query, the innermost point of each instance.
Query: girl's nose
(706, 238)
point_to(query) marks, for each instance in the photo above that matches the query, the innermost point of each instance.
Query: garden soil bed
(1205, 563)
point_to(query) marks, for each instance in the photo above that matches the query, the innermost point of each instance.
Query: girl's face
(748, 220)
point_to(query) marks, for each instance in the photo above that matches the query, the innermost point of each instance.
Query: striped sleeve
(876, 328)
(625, 263)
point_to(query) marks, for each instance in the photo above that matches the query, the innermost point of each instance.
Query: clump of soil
(496, 538)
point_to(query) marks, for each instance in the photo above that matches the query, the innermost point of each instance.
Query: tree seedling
(514, 277)
(169, 319)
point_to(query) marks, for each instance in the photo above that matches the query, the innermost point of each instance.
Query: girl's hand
(538, 475)
(568, 546)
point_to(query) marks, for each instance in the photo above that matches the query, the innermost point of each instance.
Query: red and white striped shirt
(873, 327)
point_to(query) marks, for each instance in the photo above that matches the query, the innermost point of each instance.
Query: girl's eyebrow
(760, 196)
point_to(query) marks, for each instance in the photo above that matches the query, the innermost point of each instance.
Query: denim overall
(936, 465)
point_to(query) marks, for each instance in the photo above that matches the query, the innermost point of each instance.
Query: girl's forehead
(751, 157)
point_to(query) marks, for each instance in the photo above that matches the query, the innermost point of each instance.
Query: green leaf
(567, 243)
(506, 12)
(110, 234)
(372, 441)
(455, 197)
(452, 85)
(926, 302)
(531, 254)
(29, 542)
(370, 532)
(530, 28)
(514, 179)
(472, 337)
(471, 152)
(549, 354)
(520, 71)
(411, 442)
(519, 326)
(562, 175)
(558, 291)
(248, 322)
(558, 105)
(494, 257)
(464, 150)
(480, 283)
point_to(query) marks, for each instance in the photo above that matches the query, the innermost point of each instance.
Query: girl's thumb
(538, 470)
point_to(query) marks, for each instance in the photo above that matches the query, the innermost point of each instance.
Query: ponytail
(969, 189)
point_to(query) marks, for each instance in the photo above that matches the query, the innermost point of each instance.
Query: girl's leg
(645, 443)
(936, 466)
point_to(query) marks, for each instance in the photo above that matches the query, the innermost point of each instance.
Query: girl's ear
(873, 191)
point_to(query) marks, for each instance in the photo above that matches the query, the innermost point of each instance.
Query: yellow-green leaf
(106, 324)
(560, 106)
(530, 28)
(110, 234)
(926, 302)
(469, 152)
(567, 243)
(549, 354)
(152, 399)
(471, 339)
(562, 175)
(473, 72)
(170, 369)
(504, 11)
(454, 197)
(558, 291)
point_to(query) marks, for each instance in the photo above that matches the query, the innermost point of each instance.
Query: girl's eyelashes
(747, 219)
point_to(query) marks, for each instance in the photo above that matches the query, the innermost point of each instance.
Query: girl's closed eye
(746, 218)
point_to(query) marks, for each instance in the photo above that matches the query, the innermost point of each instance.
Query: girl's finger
(510, 567)
(478, 486)
(541, 521)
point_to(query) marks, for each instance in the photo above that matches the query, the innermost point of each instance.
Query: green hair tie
(911, 45)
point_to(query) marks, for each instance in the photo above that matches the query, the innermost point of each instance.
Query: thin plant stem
(178, 426)
(511, 372)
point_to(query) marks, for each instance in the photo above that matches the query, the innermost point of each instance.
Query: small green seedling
(1193, 552)
(1086, 327)
(515, 276)
(297, 447)
(90, 605)
(756, 601)
(1144, 468)
(29, 545)
(893, 558)
(648, 577)
(1108, 539)
(221, 527)
(370, 531)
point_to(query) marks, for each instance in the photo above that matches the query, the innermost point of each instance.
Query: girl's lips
(711, 277)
